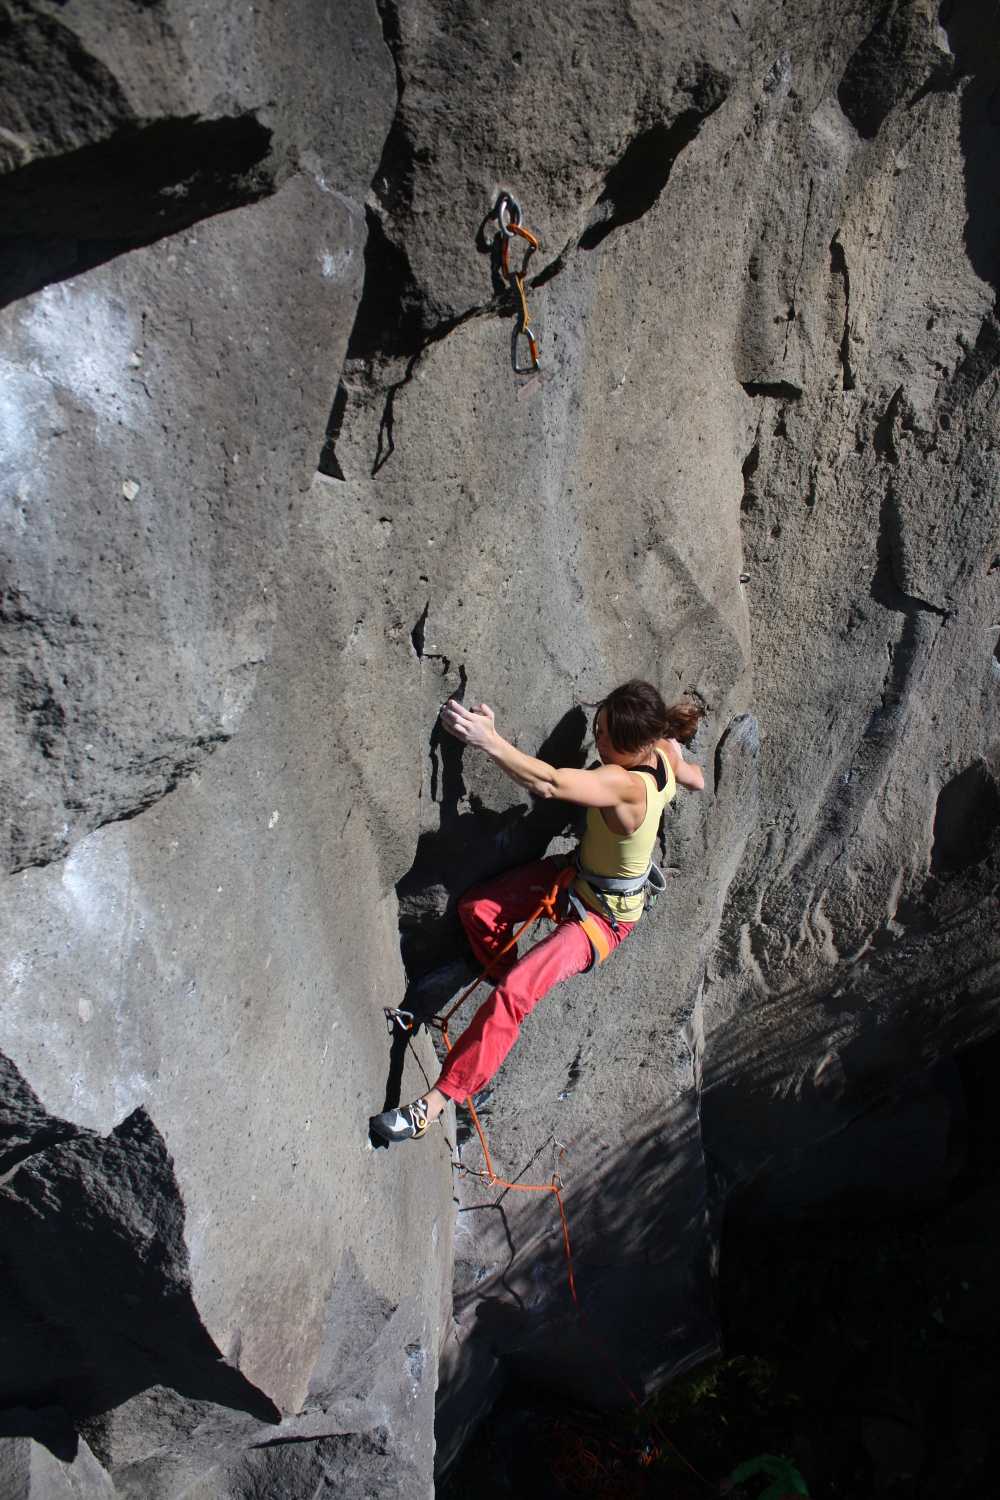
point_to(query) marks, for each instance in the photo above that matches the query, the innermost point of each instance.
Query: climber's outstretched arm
(611, 786)
(685, 774)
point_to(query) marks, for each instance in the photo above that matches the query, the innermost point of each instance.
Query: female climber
(638, 739)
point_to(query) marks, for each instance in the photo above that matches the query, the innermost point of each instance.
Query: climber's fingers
(473, 726)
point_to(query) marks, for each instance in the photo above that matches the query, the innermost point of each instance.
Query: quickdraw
(508, 213)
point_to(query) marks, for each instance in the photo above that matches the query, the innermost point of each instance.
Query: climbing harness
(651, 884)
(549, 906)
(508, 212)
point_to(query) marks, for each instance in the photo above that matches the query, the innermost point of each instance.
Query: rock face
(43, 1458)
(271, 491)
(192, 1053)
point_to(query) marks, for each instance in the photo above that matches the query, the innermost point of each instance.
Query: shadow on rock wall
(660, 1257)
(966, 820)
(974, 35)
(94, 1289)
(473, 843)
(67, 214)
(899, 58)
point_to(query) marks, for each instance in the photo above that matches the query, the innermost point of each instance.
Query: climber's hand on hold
(474, 726)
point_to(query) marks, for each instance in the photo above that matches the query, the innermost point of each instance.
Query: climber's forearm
(608, 787)
(476, 727)
(690, 776)
(536, 776)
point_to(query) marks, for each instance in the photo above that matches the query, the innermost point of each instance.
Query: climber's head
(630, 720)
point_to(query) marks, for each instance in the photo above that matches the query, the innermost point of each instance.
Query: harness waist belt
(648, 885)
(616, 885)
(624, 885)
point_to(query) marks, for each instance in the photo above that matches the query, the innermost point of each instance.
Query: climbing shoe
(406, 1124)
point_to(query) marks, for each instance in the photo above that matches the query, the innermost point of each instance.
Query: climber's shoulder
(604, 786)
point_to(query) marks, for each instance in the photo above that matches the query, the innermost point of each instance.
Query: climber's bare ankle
(435, 1101)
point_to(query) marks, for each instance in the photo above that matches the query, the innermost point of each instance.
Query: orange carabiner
(508, 214)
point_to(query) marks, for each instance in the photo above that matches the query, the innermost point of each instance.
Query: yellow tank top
(624, 854)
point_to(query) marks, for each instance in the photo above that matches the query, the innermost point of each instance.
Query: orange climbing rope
(555, 1187)
(574, 1455)
(508, 212)
(547, 907)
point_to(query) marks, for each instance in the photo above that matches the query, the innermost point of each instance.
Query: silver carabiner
(508, 201)
(398, 1017)
(520, 332)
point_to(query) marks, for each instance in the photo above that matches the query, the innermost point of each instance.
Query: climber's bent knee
(494, 1028)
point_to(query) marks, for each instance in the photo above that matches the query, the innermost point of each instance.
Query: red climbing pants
(489, 913)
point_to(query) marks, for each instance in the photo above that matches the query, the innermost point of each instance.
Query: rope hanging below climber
(587, 1462)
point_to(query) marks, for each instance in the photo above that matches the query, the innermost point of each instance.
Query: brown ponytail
(683, 718)
(635, 715)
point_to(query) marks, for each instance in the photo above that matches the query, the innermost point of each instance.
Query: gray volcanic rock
(145, 380)
(758, 465)
(548, 104)
(28, 1471)
(184, 1200)
(862, 928)
(43, 1458)
(133, 395)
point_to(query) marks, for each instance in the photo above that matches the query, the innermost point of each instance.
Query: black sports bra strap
(659, 775)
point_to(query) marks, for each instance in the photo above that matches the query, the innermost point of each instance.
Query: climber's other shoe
(406, 1124)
